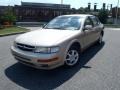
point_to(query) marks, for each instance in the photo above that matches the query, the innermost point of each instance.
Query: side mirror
(44, 25)
(88, 27)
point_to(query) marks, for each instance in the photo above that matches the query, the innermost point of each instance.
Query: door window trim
(94, 18)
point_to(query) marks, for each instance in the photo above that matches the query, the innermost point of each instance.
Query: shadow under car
(36, 79)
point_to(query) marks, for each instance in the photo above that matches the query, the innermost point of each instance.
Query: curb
(12, 34)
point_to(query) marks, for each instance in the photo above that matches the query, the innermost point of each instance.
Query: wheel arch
(102, 32)
(73, 43)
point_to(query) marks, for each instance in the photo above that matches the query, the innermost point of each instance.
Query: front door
(88, 33)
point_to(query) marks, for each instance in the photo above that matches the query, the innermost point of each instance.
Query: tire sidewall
(100, 40)
(73, 48)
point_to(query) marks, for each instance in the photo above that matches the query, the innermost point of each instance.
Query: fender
(69, 45)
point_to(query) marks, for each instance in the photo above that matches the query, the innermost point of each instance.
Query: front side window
(95, 20)
(65, 23)
(88, 22)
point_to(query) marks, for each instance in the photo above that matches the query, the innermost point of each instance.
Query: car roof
(80, 15)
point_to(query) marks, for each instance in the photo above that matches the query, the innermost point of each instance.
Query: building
(4, 8)
(35, 12)
(114, 11)
(40, 11)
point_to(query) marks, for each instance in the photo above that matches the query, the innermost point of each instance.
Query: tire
(72, 56)
(100, 40)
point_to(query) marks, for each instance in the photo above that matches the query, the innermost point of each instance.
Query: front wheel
(72, 57)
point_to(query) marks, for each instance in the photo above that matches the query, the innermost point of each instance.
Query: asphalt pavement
(99, 69)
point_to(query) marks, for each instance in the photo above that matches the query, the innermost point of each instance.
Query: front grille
(25, 47)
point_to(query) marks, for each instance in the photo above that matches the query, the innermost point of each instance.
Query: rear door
(96, 27)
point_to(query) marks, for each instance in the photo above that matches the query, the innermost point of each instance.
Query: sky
(74, 3)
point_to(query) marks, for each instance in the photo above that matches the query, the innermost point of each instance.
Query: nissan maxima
(60, 42)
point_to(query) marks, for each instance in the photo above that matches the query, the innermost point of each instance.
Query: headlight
(46, 49)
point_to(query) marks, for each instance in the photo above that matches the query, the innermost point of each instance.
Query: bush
(1, 27)
(0, 20)
(103, 16)
(8, 16)
(109, 22)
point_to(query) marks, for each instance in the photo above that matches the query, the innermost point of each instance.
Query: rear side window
(95, 20)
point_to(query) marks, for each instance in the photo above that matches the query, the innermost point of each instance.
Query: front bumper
(37, 60)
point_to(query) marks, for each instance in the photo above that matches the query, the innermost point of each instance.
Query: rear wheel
(100, 40)
(72, 56)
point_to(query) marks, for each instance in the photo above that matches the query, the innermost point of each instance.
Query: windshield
(65, 23)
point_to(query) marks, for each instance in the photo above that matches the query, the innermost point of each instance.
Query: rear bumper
(37, 60)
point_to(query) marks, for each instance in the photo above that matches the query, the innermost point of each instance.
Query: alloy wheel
(72, 57)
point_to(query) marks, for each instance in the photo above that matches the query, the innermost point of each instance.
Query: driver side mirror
(87, 27)
(44, 25)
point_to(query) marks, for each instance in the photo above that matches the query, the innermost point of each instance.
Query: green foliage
(8, 16)
(103, 16)
(109, 22)
(0, 20)
(1, 26)
(82, 10)
(0, 23)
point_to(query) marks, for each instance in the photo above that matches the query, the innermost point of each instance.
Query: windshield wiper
(53, 28)
(57, 28)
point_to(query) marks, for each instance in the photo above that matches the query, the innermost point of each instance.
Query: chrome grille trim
(25, 47)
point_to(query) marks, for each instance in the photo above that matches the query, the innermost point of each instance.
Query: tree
(8, 16)
(103, 16)
(0, 20)
(82, 10)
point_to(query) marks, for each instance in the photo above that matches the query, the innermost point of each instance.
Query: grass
(112, 25)
(12, 30)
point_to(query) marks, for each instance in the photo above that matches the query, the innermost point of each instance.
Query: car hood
(45, 37)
